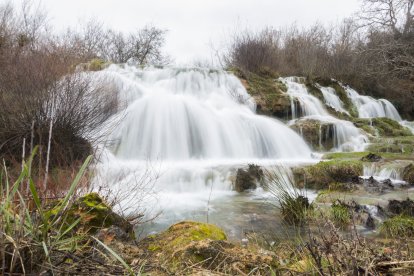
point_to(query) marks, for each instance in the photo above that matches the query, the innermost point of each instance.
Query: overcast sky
(193, 24)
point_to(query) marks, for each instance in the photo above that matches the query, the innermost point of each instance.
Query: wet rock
(249, 179)
(404, 207)
(374, 186)
(370, 222)
(319, 135)
(408, 174)
(371, 157)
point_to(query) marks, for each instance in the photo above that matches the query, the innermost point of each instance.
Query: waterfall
(346, 136)
(369, 107)
(182, 114)
(332, 99)
(381, 172)
(196, 126)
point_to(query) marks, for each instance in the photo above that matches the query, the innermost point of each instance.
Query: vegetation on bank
(352, 52)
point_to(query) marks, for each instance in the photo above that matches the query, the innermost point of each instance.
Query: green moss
(97, 64)
(399, 226)
(345, 155)
(181, 234)
(93, 213)
(385, 127)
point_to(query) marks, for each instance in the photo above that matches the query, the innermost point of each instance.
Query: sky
(195, 25)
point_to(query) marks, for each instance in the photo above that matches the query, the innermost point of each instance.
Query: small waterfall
(381, 172)
(346, 136)
(332, 99)
(369, 107)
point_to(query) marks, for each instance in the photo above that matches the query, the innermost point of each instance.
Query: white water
(381, 173)
(369, 107)
(195, 127)
(332, 99)
(346, 136)
(182, 114)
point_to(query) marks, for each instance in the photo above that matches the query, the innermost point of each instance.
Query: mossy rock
(384, 127)
(326, 173)
(318, 135)
(189, 243)
(181, 234)
(408, 174)
(94, 214)
(268, 92)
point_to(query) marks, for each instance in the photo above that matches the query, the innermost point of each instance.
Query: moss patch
(94, 214)
(385, 127)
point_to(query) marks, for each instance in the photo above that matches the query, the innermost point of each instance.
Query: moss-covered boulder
(189, 244)
(408, 174)
(268, 92)
(326, 173)
(319, 135)
(94, 214)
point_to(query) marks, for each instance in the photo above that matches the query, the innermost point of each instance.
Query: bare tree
(145, 46)
(394, 15)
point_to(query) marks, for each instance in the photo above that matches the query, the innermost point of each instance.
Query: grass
(36, 240)
(325, 173)
(293, 203)
(401, 226)
(340, 214)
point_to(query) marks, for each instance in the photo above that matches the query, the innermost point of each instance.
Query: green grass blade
(115, 255)
(78, 177)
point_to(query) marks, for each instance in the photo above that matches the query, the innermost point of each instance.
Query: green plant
(398, 226)
(340, 214)
(293, 203)
(28, 235)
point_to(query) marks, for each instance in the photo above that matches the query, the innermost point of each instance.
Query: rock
(248, 179)
(190, 243)
(408, 174)
(107, 235)
(374, 186)
(319, 135)
(404, 207)
(94, 214)
(370, 222)
(371, 157)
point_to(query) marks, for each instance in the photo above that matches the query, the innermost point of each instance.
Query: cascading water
(381, 172)
(369, 107)
(182, 114)
(332, 99)
(345, 135)
(197, 126)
